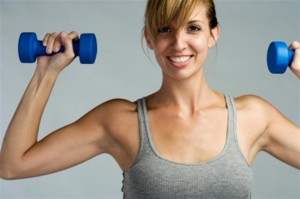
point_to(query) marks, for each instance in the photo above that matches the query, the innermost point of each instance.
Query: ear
(148, 39)
(214, 35)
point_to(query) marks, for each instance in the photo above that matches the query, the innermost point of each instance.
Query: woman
(183, 141)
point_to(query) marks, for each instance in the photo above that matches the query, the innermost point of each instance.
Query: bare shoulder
(116, 111)
(118, 105)
(119, 120)
(257, 108)
(251, 101)
(256, 105)
(111, 119)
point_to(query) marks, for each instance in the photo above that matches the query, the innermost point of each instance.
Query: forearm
(22, 131)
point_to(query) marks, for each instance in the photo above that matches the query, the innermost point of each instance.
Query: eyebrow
(195, 21)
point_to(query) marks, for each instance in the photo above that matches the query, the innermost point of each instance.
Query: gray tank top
(227, 176)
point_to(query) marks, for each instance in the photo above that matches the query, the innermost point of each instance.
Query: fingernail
(49, 50)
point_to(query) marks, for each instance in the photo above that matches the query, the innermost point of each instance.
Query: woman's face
(182, 52)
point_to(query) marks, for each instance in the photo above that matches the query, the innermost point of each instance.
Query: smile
(180, 59)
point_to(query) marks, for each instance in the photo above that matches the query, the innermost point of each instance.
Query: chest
(192, 139)
(163, 179)
(170, 162)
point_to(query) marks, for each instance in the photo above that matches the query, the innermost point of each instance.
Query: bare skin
(183, 113)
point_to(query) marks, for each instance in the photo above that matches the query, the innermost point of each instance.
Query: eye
(193, 28)
(164, 30)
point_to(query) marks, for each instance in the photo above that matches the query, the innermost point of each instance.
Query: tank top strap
(232, 138)
(231, 124)
(143, 126)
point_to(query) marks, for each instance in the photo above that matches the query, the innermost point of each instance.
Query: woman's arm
(272, 132)
(283, 137)
(21, 154)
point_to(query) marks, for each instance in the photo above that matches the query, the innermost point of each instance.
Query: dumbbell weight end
(279, 57)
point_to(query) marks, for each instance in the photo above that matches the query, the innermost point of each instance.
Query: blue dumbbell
(29, 48)
(279, 57)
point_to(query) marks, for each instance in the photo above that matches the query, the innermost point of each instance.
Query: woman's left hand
(295, 66)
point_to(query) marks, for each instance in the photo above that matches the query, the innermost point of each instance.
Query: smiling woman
(184, 140)
(185, 44)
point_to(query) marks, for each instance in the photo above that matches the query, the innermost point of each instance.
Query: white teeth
(179, 59)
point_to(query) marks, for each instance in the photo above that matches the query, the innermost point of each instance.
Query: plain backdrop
(236, 66)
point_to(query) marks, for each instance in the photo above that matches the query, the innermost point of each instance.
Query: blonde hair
(160, 13)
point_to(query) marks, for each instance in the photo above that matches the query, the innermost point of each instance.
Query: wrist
(47, 71)
(46, 76)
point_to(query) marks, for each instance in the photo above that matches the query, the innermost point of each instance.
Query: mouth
(179, 60)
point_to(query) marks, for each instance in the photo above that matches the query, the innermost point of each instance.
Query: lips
(179, 61)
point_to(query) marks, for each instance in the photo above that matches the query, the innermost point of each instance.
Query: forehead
(199, 13)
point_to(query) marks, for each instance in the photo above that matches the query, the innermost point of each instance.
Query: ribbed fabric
(227, 176)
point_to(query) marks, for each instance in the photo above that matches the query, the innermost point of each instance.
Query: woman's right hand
(295, 66)
(53, 43)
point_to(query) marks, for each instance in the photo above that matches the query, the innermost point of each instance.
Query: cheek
(199, 45)
(160, 49)
(160, 46)
(200, 48)
(159, 58)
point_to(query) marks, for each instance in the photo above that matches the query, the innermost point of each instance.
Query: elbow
(8, 175)
(5, 175)
(8, 172)
(13, 171)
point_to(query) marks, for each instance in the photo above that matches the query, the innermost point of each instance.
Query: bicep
(283, 138)
(66, 147)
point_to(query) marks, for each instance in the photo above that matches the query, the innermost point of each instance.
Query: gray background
(236, 66)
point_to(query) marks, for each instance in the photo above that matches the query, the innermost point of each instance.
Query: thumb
(66, 41)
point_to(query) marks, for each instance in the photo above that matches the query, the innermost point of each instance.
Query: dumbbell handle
(41, 49)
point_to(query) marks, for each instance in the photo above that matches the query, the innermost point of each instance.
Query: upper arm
(283, 137)
(70, 145)
(261, 127)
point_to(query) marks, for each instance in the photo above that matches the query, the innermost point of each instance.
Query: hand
(295, 66)
(53, 43)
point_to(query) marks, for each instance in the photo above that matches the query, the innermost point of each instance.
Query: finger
(67, 41)
(74, 35)
(45, 40)
(50, 42)
(294, 45)
(57, 43)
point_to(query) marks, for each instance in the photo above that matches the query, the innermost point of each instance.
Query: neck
(188, 95)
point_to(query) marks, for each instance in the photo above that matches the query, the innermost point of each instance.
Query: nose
(179, 40)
